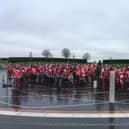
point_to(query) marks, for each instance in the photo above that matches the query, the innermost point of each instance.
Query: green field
(3, 63)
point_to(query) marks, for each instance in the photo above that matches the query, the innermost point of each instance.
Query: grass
(3, 63)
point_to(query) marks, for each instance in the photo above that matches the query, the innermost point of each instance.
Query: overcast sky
(100, 27)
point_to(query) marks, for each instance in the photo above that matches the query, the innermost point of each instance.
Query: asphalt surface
(83, 98)
(8, 122)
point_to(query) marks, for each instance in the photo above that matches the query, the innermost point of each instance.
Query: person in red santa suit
(92, 75)
(107, 79)
(70, 77)
(16, 76)
(39, 74)
(117, 79)
(9, 70)
(27, 74)
(83, 76)
(122, 80)
(78, 73)
(127, 78)
(103, 75)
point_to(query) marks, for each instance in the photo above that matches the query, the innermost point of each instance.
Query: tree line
(66, 53)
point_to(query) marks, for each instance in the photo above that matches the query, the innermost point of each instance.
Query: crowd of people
(70, 73)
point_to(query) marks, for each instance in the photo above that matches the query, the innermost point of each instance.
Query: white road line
(65, 115)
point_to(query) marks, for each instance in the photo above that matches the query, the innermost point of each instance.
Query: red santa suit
(78, 73)
(18, 77)
(122, 81)
(108, 78)
(103, 74)
(27, 74)
(117, 78)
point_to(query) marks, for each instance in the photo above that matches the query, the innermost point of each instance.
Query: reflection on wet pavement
(71, 98)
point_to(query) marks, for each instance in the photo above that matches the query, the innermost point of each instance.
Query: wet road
(41, 123)
(50, 98)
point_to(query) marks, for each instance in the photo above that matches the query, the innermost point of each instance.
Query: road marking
(64, 114)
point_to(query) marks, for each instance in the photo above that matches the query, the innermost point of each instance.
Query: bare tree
(66, 52)
(86, 56)
(46, 53)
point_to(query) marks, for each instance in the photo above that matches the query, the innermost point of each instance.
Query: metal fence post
(112, 87)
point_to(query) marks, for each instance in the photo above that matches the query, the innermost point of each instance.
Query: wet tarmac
(41, 97)
(9, 122)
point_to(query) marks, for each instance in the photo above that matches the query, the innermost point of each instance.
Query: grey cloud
(98, 26)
